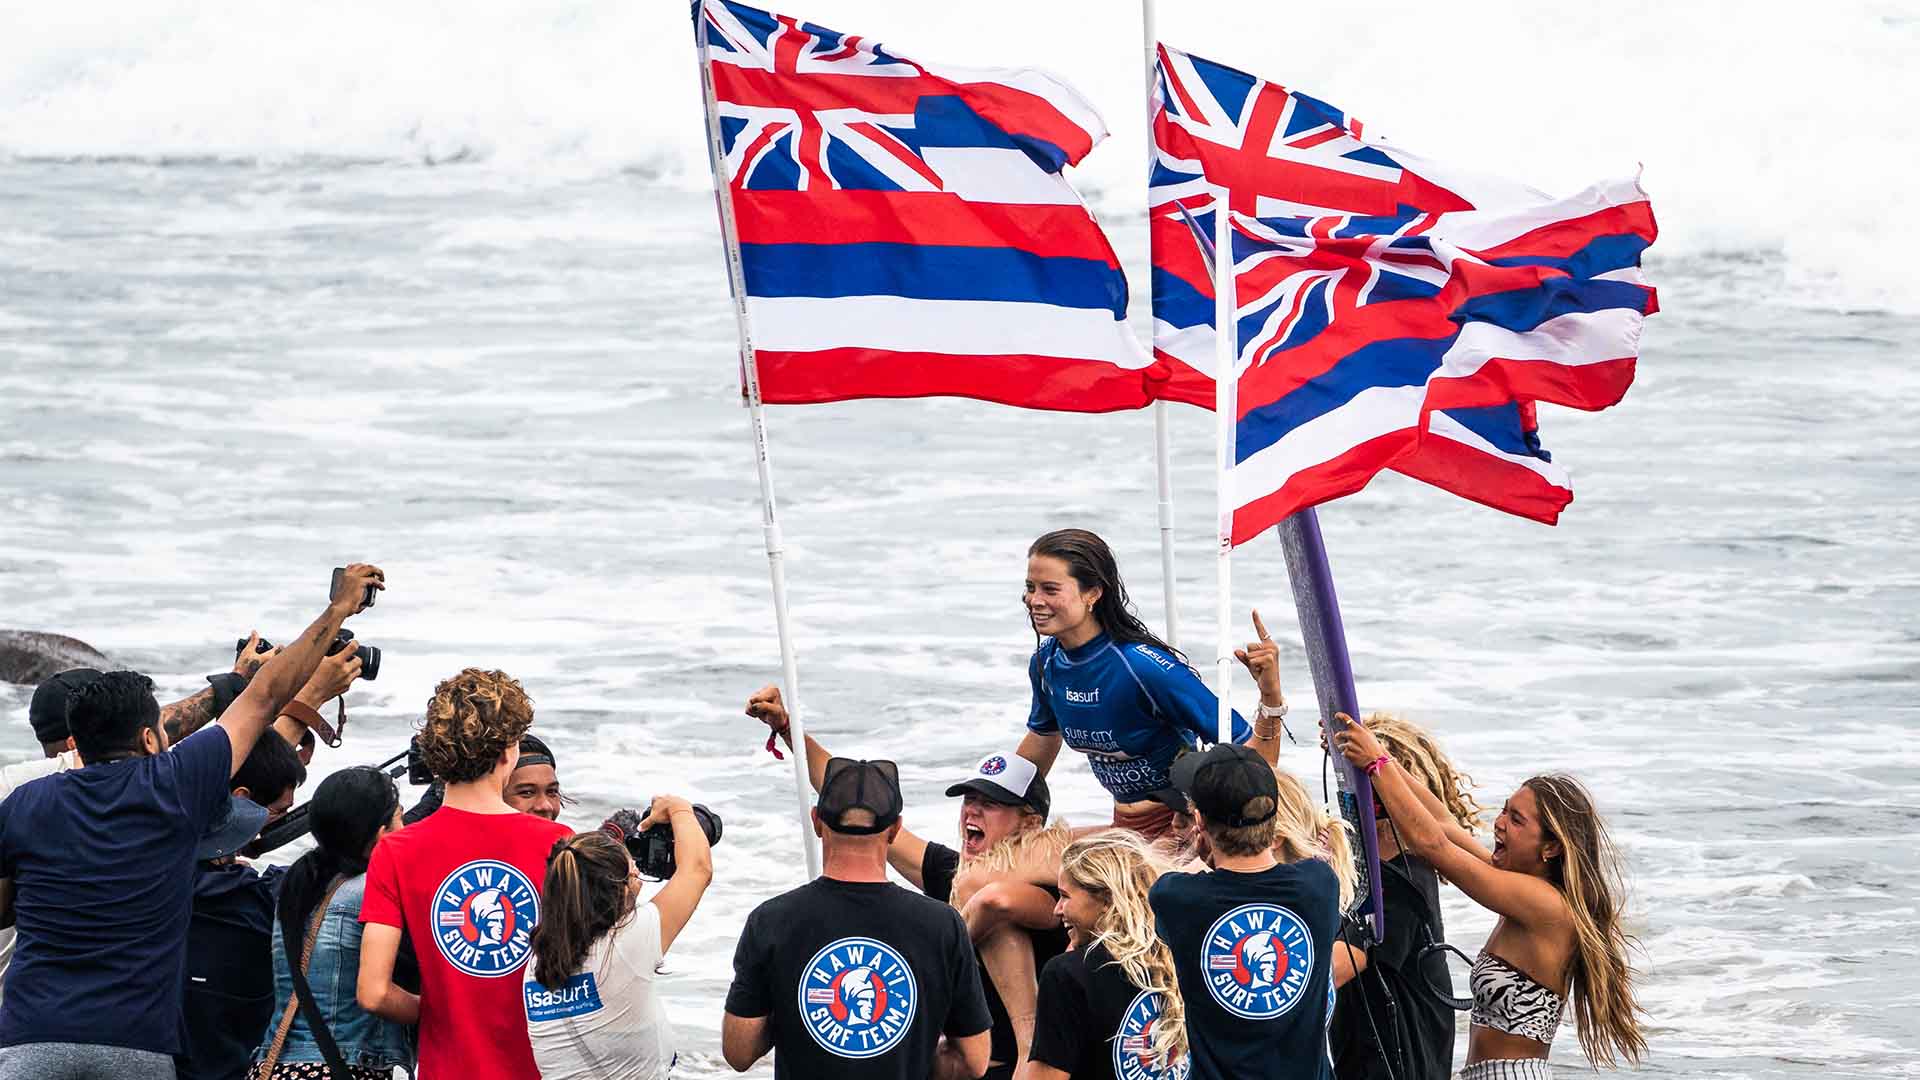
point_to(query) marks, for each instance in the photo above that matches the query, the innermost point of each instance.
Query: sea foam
(1764, 129)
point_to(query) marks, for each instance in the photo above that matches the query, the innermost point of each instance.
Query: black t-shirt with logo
(937, 869)
(1416, 1027)
(1253, 953)
(1094, 1023)
(860, 980)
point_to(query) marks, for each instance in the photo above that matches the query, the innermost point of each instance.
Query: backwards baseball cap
(1223, 782)
(48, 712)
(1008, 779)
(233, 829)
(848, 785)
(534, 751)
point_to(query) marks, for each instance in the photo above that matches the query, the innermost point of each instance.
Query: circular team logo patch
(1257, 959)
(993, 766)
(857, 998)
(1133, 1043)
(483, 918)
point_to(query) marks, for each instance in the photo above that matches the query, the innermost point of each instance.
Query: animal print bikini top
(1508, 999)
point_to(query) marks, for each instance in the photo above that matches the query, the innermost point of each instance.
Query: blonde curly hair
(1414, 749)
(473, 718)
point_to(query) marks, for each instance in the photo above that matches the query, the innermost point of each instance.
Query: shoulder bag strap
(299, 972)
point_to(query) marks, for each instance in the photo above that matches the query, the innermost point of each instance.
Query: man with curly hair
(464, 883)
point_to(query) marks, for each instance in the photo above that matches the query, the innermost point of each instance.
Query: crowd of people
(1206, 930)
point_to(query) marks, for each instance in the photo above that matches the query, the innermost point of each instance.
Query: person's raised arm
(374, 988)
(1262, 660)
(692, 865)
(283, 676)
(907, 851)
(330, 680)
(1526, 899)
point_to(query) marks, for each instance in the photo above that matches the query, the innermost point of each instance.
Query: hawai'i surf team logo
(1133, 1043)
(483, 918)
(993, 766)
(1256, 960)
(857, 998)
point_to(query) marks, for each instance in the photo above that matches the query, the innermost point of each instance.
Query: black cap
(849, 785)
(534, 751)
(1224, 781)
(1008, 779)
(48, 712)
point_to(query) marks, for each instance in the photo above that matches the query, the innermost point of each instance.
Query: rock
(28, 656)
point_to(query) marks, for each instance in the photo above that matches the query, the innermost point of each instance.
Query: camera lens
(369, 662)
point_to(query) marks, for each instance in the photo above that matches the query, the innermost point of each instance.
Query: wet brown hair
(1091, 564)
(473, 718)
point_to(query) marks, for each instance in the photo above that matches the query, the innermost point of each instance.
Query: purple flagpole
(1326, 642)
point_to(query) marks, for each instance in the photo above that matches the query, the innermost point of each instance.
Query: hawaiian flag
(904, 227)
(1391, 313)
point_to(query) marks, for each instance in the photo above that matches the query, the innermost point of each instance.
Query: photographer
(103, 911)
(467, 880)
(591, 1010)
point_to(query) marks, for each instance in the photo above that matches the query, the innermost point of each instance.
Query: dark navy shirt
(1129, 708)
(1253, 955)
(102, 864)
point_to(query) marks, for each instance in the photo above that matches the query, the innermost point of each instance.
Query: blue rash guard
(1129, 708)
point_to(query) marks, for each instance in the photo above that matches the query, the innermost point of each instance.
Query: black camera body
(652, 849)
(369, 654)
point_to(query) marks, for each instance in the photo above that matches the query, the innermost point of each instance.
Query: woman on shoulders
(1108, 687)
(1553, 877)
(1111, 1008)
(591, 1010)
(318, 1029)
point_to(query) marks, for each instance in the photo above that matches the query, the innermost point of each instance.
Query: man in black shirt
(1011, 921)
(1252, 938)
(851, 976)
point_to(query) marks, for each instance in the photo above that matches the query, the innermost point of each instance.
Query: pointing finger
(1260, 627)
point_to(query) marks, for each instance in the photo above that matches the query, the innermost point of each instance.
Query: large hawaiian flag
(1391, 313)
(905, 228)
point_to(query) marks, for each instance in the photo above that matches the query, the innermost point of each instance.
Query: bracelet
(1374, 766)
(1272, 733)
(1272, 712)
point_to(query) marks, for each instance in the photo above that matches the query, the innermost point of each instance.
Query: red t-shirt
(466, 888)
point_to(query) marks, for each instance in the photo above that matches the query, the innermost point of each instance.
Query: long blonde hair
(1414, 749)
(1117, 867)
(1588, 873)
(1304, 829)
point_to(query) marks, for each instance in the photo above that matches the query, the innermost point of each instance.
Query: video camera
(652, 848)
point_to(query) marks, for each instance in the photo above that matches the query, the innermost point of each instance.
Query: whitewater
(440, 286)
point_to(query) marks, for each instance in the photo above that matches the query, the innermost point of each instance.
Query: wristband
(1374, 766)
(1272, 712)
(226, 687)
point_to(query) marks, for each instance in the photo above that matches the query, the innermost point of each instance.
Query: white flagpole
(770, 524)
(1226, 349)
(1163, 470)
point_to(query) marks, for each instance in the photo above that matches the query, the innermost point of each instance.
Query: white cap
(1009, 779)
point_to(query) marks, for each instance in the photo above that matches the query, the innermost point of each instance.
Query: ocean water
(281, 288)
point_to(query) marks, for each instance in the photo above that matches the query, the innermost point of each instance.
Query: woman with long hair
(591, 1010)
(318, 1031)
(1111, 1008)
(1554, 879)
(1108, 687)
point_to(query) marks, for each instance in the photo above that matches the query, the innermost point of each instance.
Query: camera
(652, 849)
(369, 654)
